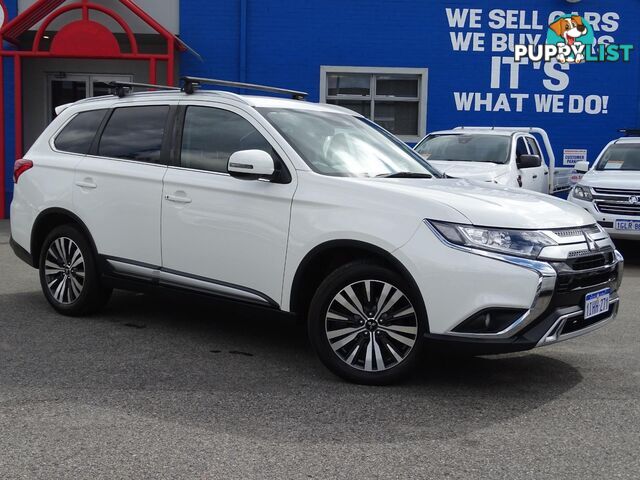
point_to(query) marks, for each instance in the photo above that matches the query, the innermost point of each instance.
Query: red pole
(17, 79)
(2, 143)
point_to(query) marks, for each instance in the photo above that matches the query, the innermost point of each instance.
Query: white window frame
(422, 73)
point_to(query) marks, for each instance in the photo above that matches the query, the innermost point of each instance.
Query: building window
(395, 98)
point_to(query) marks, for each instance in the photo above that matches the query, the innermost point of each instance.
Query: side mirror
(529, 161)
(251, 164)
(582, 166)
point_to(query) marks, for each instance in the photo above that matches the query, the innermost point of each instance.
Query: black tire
(372, 357)
(72, 290)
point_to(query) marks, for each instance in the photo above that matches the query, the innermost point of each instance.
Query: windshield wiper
(405, 175)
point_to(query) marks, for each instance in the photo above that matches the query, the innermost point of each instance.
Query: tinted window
(521, 147)
(135, 133)
(79, 133)
(211, 135)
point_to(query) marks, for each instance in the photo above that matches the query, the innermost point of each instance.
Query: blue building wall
(287, 42)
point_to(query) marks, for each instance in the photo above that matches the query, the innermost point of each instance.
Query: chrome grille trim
(616, 201)
(615, 191)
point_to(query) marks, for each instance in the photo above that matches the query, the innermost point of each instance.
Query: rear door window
(135, 133)
(77, 136)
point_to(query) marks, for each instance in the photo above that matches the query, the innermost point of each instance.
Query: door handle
(546, 173)
(177, 198)
(535, 176)
(87, 183)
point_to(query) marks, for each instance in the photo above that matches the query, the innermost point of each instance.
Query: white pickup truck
(509, 156)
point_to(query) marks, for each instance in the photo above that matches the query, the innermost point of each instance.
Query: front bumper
(557, 324)
(546, 297)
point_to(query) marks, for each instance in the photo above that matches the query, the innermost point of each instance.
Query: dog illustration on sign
(565, 31)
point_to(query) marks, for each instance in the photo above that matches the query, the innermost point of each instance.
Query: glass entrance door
(71, 87)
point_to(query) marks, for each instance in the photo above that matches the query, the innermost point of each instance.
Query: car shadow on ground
(248, 371)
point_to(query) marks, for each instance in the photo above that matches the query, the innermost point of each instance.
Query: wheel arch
(49, 219)
(326, 257)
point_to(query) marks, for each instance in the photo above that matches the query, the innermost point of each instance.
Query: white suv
(610, 191)
(304, 208)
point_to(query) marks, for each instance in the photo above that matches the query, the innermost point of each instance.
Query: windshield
(345, 145)
(621, 157)
(466, 148)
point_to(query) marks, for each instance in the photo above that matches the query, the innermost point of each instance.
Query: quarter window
(211, 135)
(135, 133)
(394, 98)
(77, 136)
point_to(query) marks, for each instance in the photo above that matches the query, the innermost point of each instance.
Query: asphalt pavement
(179, 387)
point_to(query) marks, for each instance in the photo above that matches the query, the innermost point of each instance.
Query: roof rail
(191, 83)
(121, 88)
(630, 132)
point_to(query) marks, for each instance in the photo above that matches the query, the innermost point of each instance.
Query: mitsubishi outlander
(304, 208)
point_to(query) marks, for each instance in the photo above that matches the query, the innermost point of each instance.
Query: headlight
(521, 243)
(582, 193)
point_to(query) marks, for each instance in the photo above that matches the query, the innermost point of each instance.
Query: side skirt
(131, 274)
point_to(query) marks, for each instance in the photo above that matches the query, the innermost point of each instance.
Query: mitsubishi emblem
(591, 243)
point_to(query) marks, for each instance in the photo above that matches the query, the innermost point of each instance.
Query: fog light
(490, 321)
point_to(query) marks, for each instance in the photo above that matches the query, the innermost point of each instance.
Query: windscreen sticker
(615, 164)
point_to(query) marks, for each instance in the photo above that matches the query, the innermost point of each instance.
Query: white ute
(610, 191)
(304, 208)
(506, 156)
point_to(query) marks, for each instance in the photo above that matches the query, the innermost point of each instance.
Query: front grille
(616, 191)
(576, 232)
(568, 282)
(587, 262)
(618, 208)
(617, 201)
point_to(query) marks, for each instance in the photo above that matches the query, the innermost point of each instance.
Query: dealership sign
(570, 156)
(533, 43)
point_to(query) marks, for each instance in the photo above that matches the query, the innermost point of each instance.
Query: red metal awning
(43, 8)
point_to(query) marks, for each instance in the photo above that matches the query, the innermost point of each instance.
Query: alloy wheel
(371, 325)
(64, 270)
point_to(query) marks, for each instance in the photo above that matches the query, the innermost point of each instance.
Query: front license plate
(596, 303)
(633, 225)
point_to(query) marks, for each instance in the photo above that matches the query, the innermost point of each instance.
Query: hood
(622, 179)
(486, 204)
(481, 171)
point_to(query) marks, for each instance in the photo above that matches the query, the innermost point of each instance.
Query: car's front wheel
(68, 273)
(366, 324)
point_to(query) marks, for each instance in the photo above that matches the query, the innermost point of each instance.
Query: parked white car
(303, 208)
(610, 191)
(510, 157)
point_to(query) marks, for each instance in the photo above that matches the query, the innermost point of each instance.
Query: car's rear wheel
(69, 275)
(366, 323)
